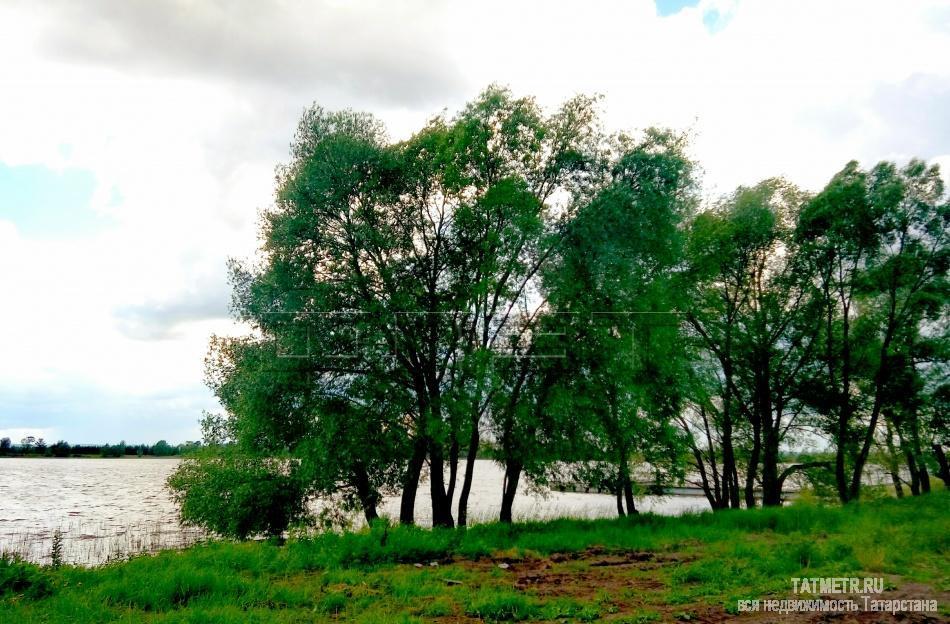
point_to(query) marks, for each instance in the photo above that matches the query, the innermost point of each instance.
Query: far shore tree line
(531, 282)
(31, 446)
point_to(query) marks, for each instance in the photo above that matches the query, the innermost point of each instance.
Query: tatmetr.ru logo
(838, 585)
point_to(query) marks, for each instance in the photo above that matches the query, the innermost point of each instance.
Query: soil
(630, 588)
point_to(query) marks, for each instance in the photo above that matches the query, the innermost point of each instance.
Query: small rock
(434, 564)
(418, 565)
(503, 566)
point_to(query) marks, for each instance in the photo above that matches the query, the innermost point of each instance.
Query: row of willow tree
(529, 282)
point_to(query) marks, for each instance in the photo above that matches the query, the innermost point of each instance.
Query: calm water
(111, 507)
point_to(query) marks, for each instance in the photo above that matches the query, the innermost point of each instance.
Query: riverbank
(108, 508)
(642, 569)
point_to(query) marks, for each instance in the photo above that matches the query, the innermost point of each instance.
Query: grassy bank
(643, 569)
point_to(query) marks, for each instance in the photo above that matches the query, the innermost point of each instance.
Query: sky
(139, 140)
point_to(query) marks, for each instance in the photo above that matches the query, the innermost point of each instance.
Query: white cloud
(182, 112)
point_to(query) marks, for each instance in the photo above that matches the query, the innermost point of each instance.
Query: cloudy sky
(138, 142)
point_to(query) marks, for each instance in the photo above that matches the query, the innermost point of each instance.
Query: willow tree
(753, 314)
(614, 304)
(388, 271)
(879, 240)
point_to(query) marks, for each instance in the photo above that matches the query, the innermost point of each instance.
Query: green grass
(699, 562)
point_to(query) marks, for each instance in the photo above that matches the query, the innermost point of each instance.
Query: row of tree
(33, 446)
(532, 281)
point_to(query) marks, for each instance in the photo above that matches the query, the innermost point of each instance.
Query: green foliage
(113, 450)
(163, 449)
(56, 550)
(617, 390)
(389, 273)
(522, 270)
(19, 578)
(238, 496)
(878, 240)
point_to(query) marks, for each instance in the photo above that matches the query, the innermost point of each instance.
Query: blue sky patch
(672, 7)
(714, 20)
(44, 203)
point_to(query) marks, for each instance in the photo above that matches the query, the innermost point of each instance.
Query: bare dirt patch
(632, 584)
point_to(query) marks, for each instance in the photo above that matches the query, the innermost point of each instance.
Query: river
(108, 508)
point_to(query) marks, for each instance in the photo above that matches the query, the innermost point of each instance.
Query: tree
(163, 449)
(617, 302)
(389, 271)
(5, 445)
(113, 450)
(879, 240)
(60, 449)
(938, 415)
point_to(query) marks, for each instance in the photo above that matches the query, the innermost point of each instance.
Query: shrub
(237, 496)
(18, 577)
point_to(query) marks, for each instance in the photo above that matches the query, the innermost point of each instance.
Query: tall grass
(94, 543)
(370, 575)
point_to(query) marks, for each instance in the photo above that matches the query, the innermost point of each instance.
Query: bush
(20, 578)
(237, 496)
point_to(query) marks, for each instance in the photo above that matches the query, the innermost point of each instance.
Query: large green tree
(616, 306)
(751, 312)
(879, 240)
(388, 273)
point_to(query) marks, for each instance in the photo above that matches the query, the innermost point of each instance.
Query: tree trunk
(771, 487)
(924, 478)
(944, 473)
(898, 486)
(715, 495)
(441, 504)
(730, 475)
(911, 460)
(879, 383)
(841, 479)
(509, 489)
(453, 468)
(367, 495)
(628, 496)
(761, 417)
(919, 455)
(842, 438)
(470, 457)
(914, 473)
(410, 483)
(892, 463)
(711, 496)
(753, 468)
